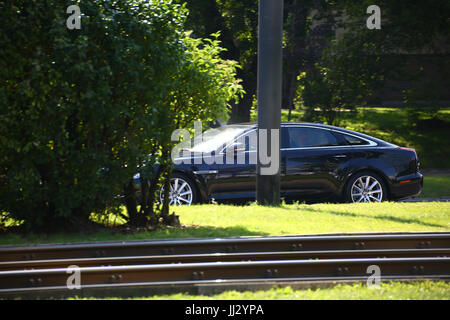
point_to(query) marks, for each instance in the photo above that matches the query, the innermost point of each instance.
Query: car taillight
(409, 149)
(414, 165)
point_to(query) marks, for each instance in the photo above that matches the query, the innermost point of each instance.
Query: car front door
(312, 159)
(236, 175)
(237, 180)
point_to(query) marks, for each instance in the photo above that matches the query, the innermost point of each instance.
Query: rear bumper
(407, 186)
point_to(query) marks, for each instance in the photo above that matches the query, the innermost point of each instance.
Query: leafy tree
(305, 40)
(425, 97)
(406, 27)
(83, 110)
(345, 76)
(237, 21)
(80, 109)
(353, 66)
(204, 74)
(204, 87)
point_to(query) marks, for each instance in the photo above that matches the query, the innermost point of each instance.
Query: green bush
(79, 109)
(82, 110)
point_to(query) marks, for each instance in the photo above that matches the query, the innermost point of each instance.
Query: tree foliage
(81, 110)
(354, 64)
(373, 56)
(205, 86)
(237, 21)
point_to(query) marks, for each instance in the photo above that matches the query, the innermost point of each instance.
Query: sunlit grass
(421, 290)
(321, 218)
(210, 221)
(436, 187)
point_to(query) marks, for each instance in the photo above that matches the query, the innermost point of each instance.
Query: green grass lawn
(318, 218)
(226, 221)
(436, 187)
(200, 221)
(423, 290)
(432, 144)
(391, 124)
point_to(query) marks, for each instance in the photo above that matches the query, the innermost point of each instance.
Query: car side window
(302, 137)
(350, 140)
(354, 141)
(248, 139)
(251, 141)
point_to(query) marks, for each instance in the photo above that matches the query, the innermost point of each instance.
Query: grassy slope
(253, 220)
(435, 187)
(432, 145)
(227, 220)
(318, 218)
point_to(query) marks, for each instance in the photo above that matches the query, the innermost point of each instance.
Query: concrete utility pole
(270, 35)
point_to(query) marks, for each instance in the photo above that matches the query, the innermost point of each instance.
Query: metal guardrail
(173, 263)
(224, 257)
(228, 245)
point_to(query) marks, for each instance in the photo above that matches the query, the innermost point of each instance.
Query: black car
(318, 163)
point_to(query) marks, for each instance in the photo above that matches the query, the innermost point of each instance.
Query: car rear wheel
(365, 187)
(182, 191)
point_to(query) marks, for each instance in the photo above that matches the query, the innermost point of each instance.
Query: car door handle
(340, 156)
(205, 172)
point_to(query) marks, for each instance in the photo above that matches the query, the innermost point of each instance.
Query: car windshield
(213, 139)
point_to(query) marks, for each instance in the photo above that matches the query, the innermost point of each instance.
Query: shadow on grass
(194, 231)
(377, 217)
(185, 231)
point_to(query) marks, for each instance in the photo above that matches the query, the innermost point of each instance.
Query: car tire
(182, 192)
(365, 186)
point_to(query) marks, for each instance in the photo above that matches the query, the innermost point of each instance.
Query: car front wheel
(182, 191)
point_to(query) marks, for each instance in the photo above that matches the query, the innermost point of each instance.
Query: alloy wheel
(366, 189)
(180, 192)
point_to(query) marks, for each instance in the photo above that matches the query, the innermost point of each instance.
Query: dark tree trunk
(291, 94)
(241, 112)
(130, 203)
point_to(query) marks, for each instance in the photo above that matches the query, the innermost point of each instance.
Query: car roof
(251, 125)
